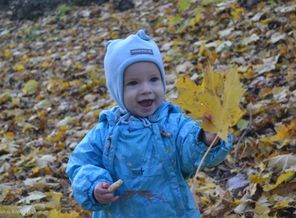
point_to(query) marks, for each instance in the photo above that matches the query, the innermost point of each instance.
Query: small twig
(200, 164)
(239, 141)
(244, 150)
(243, 135)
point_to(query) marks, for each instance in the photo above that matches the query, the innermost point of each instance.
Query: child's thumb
(105, 185)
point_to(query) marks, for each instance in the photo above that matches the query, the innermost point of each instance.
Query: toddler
(145, 141)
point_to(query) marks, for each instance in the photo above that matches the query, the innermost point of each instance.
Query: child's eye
(154, 79)
(132, 83)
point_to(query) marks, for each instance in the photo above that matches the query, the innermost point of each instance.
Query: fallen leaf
(253, 38)
(33, 196)
(58, 214)
(19, 67)
(27, 210)
(30, 87)
(268, 65)
(10, 211)
(218, 96)
(282, 163)
(5, 97)
(281, 179)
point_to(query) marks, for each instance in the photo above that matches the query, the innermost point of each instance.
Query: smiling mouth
(146, 103)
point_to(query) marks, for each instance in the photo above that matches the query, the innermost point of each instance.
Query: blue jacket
(153, 156)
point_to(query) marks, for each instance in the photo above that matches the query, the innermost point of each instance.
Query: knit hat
(120, 53)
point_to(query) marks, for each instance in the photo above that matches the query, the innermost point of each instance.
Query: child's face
(143, 90)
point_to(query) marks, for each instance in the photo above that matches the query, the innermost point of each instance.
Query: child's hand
(102, 195)
(208, 138)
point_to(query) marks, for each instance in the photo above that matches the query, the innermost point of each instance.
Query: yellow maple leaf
(218, 97)
(285, 131)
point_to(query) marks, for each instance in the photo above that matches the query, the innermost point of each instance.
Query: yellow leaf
(27, 126)
(58, 214)
(57, 86)
(93, 75)
(204, 200)
(75, 83)
(9, 211)
(30, 87)
(263, 210)
(285, 131)
(236, 12)
(282, 204)
(256, 179)
(25, 58)
(187, 96)
(282, 178)
(204, 51)
(197, 18)
(167, 58)
(207, 2)
(10, 135)
(183, 5)
(7, 53)
(19, 67)
(114, 35)
(55, 198)
(4, 97)
(56, 136)
(218, 98)
(79, 66)
(175, 19)
(45, 64)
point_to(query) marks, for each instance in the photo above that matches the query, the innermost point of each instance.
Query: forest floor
(53, 89)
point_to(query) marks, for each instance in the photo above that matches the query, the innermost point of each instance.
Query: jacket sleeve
(85, 168)
(191, 149)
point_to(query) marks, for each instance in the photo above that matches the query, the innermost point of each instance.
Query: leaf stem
(200, 164)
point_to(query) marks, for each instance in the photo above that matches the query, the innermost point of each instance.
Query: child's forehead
(141, 69)
(146, 64)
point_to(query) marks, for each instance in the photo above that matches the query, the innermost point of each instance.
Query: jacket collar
(117, 115)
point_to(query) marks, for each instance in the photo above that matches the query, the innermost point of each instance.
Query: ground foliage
(53, 88)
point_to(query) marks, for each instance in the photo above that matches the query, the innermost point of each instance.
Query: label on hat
(141, 51)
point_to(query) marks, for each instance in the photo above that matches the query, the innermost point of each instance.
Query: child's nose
(146, 88)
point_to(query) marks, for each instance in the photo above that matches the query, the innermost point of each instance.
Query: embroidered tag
(141, 51)
(137, 172)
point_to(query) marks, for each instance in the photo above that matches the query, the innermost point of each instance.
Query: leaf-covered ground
(53, 88)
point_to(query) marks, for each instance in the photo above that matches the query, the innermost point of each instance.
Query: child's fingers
(108, 198)
(105, 185)
(103, 195)
(102, 188)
